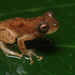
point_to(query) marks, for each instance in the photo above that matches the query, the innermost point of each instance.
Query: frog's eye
(43, 27)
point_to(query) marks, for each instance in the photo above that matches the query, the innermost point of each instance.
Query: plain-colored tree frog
(23, 29)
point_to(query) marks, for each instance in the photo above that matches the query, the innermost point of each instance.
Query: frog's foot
(8, 51)
(13, 53)
(30, 53)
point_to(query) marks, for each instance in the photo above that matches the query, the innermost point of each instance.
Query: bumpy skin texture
(24, 29)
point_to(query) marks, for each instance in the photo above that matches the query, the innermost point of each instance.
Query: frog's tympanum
(24, 29)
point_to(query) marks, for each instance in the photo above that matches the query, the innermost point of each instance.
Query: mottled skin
(24, 29)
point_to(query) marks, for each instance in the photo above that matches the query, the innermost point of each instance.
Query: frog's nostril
(56, 24)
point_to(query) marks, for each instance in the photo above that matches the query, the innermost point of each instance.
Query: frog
(23, 29)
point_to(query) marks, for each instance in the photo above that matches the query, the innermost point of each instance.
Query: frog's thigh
(6, 36)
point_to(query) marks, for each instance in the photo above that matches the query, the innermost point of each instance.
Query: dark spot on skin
(21, 25)
(20, 42)
(2, 29)
(22, 49)
(43, 19)
(25, 19)
(35, 18)
(6, 21)
(32, 19)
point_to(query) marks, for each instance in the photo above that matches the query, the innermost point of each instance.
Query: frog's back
(11, 22)
(14, 24)
(20, 25)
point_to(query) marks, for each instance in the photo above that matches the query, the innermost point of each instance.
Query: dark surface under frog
(42, 44)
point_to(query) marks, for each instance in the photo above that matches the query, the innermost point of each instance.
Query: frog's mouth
(52, 30)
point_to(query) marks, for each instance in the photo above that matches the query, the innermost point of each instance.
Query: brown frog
(23, 29)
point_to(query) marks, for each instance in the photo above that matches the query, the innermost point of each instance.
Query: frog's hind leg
(7, 37)
(8, 51)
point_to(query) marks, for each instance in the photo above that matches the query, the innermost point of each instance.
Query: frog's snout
(54, 28)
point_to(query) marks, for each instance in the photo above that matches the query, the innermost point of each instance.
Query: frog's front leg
(23, 49)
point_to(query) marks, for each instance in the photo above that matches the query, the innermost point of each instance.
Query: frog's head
(48, 23)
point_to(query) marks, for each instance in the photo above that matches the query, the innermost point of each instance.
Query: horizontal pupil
(45, 27)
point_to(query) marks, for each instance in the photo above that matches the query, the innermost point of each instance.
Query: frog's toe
(40, 57)
(30, 53)
(20, 55)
